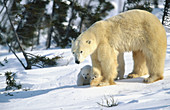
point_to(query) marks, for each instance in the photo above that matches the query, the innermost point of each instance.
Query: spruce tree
(138, 4)
(30, 22)
(90, 13)
(61, 26)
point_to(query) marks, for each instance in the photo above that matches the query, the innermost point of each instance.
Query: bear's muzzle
(78, 62)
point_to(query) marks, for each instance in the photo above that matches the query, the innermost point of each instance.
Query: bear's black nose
(77, 61)
(85, 77)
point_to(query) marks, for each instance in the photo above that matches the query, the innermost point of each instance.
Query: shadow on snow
(32, 93)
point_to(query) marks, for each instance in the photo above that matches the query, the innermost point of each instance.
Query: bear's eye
(87, 73)
(88, 41)
(81, 51)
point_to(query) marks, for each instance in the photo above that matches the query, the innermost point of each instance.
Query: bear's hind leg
(121, 66)
(155, 64)
(140, 67)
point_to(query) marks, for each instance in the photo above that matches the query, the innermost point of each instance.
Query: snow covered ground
(55, 88)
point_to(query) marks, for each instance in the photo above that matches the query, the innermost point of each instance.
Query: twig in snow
(108, 102)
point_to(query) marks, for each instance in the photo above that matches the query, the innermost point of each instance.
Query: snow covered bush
(11, 82)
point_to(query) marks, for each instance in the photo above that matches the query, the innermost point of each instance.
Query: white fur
(83, 77)
(106, 40)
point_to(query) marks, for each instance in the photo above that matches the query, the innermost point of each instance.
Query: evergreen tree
(155, 2)
(138, 4)
(61, 26)
(92, 13)
(30, 22)
(26, 19)
(57, 20)
(88, 14)
(5, 28)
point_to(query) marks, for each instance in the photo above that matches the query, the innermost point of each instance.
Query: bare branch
(2, 9)
(16, 55)
(17, 38)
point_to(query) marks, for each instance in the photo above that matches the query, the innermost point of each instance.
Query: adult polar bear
(106, 41)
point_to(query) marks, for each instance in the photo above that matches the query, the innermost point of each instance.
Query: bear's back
(134, 26)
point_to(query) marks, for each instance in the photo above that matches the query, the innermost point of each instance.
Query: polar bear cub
(83, 77)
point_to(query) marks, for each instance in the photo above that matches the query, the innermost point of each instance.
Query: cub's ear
(88, 41)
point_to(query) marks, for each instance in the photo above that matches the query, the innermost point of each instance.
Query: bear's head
(84, 45)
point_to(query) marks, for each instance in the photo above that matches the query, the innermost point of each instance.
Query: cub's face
(86, 73)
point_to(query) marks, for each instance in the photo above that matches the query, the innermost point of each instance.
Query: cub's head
(86, 72)
(84, 45)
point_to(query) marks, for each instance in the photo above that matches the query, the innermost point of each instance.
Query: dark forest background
(60, 21)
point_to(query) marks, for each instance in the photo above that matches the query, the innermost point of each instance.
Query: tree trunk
(38, 37)
(71, 18)
(48, 43)
(50, 31)
(155, 3)
(83, 17)
(166, 14)
(81, 23)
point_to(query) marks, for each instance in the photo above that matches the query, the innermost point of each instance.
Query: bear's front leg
(108, 61)
(96, 76)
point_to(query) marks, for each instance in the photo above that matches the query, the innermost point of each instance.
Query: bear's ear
(72, 42)
(88, 41)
